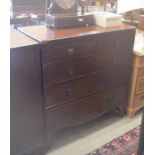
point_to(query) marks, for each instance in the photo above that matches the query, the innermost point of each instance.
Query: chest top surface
(43, 34)
(17, 39)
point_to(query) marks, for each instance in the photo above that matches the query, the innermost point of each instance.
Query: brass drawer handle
(70, 91)
(71, 70)
(71, 51)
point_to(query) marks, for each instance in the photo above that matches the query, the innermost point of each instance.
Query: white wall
(127, 5)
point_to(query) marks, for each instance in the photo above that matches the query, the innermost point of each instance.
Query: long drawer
(85, 109)
(110, 41)
(69, 91)
(68, 70)
(85, 46)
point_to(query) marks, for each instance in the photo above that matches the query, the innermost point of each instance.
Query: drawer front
(68, 70)
(85, 46)
(116, 40)
(69, 49)
(84, 110)
(140, 86)
(139, 100)
(69, 91)
(140, 72)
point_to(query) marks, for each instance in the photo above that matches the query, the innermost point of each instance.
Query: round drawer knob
(71, 70)
(71, 51)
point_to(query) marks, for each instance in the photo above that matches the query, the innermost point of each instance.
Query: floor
(85, 138)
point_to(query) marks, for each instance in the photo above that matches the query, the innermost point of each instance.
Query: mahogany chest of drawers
(85, 73)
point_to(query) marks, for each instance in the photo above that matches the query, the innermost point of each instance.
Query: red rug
(126, 144)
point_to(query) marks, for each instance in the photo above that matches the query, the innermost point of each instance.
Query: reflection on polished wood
(44, 34)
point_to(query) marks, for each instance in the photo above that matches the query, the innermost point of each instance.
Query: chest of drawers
(136, 93)
(136, 96)
(85, 73)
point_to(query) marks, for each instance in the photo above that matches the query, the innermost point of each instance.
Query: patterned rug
(126, 144)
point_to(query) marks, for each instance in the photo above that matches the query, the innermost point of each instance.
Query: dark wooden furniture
(65, 14)
(20, 21)
(26, 99)
(85, 73)
(28, 7)
(70, 20)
